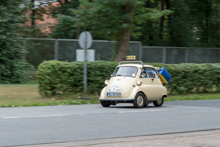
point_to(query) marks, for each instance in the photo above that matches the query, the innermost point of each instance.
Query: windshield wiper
(118, 75)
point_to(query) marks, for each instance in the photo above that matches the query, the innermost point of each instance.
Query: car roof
(135, 65)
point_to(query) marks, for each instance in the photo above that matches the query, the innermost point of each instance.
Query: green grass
(16, 96)
(185, 97)
(26, 96)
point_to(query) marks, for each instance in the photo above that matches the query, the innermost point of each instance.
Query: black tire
(146, 104)
(139, 101)
(158, 103)
(105, 103)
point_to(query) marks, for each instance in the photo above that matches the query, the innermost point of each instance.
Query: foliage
(193, 78)
(191, 23)
(63, 77)
(106, 18)
(11, 48)
(66, 28)
(116, 20)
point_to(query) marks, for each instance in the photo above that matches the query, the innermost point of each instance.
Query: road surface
(54, 124)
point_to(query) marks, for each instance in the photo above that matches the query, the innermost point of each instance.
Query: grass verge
(27, 95)
(210, 96)
(24, 96)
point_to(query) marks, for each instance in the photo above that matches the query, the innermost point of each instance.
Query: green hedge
(60, 77)
(193, 78)
(63, 77)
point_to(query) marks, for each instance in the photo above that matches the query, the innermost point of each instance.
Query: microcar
(133, 82)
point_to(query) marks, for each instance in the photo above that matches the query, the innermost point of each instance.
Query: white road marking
(79, 114)
(36, 116)
(141, 111)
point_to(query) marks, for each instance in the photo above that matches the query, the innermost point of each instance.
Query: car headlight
(138, 83)
(106, 82)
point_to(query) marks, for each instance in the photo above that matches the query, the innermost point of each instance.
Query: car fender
(164, 94)
(134, 92)
(139, 89)
(103, 92)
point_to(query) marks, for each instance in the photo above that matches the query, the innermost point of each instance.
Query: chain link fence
(40, 49)
(176, 55)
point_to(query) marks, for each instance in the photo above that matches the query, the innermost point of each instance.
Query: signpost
(85, 41)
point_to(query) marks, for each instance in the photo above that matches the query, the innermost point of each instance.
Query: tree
(116, 20)
(67, 27)
(180, 27)
(202, 16)
(11, 50)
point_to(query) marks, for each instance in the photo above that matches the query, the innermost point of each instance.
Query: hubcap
(140, 100)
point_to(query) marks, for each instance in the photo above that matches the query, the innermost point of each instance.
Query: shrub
(193, 78)
(61, 77)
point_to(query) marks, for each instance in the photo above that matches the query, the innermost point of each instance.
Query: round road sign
(82, 40)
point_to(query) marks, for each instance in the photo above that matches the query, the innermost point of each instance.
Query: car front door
(151, 84)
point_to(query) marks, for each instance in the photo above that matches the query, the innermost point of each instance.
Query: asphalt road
(36, 125)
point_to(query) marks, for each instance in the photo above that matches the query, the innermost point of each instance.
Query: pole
(56, 49)
(164, 55)
(85, 67)
(186, 56)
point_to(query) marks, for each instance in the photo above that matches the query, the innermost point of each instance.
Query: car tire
(158, 103)
(139, 101)
(105, 104)
(146, 104)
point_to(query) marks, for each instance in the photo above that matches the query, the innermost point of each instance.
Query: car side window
(153, 73)
(145, 73)
(148, 72)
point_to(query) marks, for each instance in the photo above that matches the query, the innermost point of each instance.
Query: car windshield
(128, 71)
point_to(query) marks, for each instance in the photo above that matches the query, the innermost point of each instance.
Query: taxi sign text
(131, 58)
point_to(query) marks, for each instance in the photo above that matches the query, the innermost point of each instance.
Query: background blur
(40, 49)
(156, 31)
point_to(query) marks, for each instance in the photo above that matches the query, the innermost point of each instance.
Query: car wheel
(105, 104)
(139, 101)
(158, 103)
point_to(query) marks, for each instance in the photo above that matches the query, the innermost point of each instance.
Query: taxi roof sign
(131, 58)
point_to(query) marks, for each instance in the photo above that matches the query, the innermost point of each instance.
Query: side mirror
(111, 75)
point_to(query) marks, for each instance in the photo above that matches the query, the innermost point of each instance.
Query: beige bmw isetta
(133, 83)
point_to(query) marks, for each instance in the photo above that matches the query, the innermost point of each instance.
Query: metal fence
(176, 55)
(40, 49)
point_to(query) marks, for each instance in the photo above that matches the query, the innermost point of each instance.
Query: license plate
(113, 94)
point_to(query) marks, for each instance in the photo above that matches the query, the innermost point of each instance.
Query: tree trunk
(217, 23)
(206, 25)
(161, 21)
(78, 27)
(61, 3)
(169, 20)
(150, 25)
(33, 18)
(33, 14)
(124, 35)
(218, 28)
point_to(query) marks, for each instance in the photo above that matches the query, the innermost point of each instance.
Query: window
(148, 72)
(127, 71)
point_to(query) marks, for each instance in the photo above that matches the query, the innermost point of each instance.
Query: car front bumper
(116, 99)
